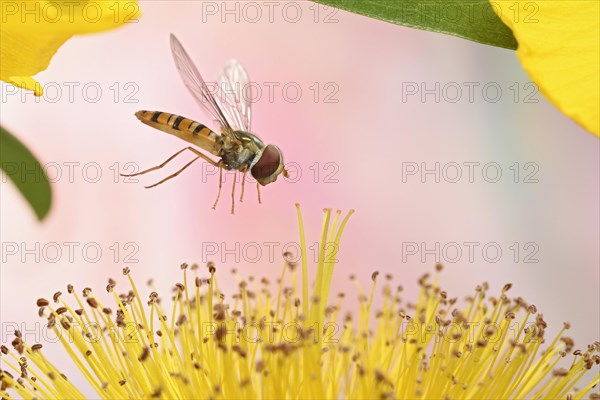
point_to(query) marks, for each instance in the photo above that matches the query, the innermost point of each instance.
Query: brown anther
(41, 302)
(560, 372)
(374, 276)
(126, 271)
(144, 355)
(532, 309)
(56, 296)
(506, 287)
(61, 310)
(239, 350)
(569, 343)
(361, 370)
(491, 330)
(260, 366)
(181, 320)
(220, 333)
(65, 324)
(92, 302)
(211, 267)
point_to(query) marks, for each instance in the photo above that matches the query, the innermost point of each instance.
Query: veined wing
(235, 95)
(197, 87)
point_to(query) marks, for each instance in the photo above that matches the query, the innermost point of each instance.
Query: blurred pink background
(366, 136)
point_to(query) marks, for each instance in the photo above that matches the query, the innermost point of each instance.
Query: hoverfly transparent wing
(198, 88)
(236, 95)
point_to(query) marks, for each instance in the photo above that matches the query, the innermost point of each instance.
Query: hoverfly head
(269, 165)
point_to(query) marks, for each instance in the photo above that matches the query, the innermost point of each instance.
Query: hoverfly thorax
(269, 165)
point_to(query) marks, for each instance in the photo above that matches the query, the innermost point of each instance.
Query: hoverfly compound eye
(269, 165)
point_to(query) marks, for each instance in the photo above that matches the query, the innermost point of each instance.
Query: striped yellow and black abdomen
(184, 128)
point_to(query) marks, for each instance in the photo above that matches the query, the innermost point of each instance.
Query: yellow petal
(32, 31)
(559, 47)
(27, 82)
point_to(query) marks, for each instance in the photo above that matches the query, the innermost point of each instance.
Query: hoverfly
(236, 147)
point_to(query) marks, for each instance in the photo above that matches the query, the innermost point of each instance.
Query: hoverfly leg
(233, 193)
(243, 183)
(258, 191)
(214, 207)
(174, 175)
(158, 166)
(204, 157)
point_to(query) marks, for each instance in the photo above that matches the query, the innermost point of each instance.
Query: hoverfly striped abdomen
(184, 128)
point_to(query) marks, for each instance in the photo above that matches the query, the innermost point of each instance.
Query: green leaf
(21, 166)
(469, 19)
